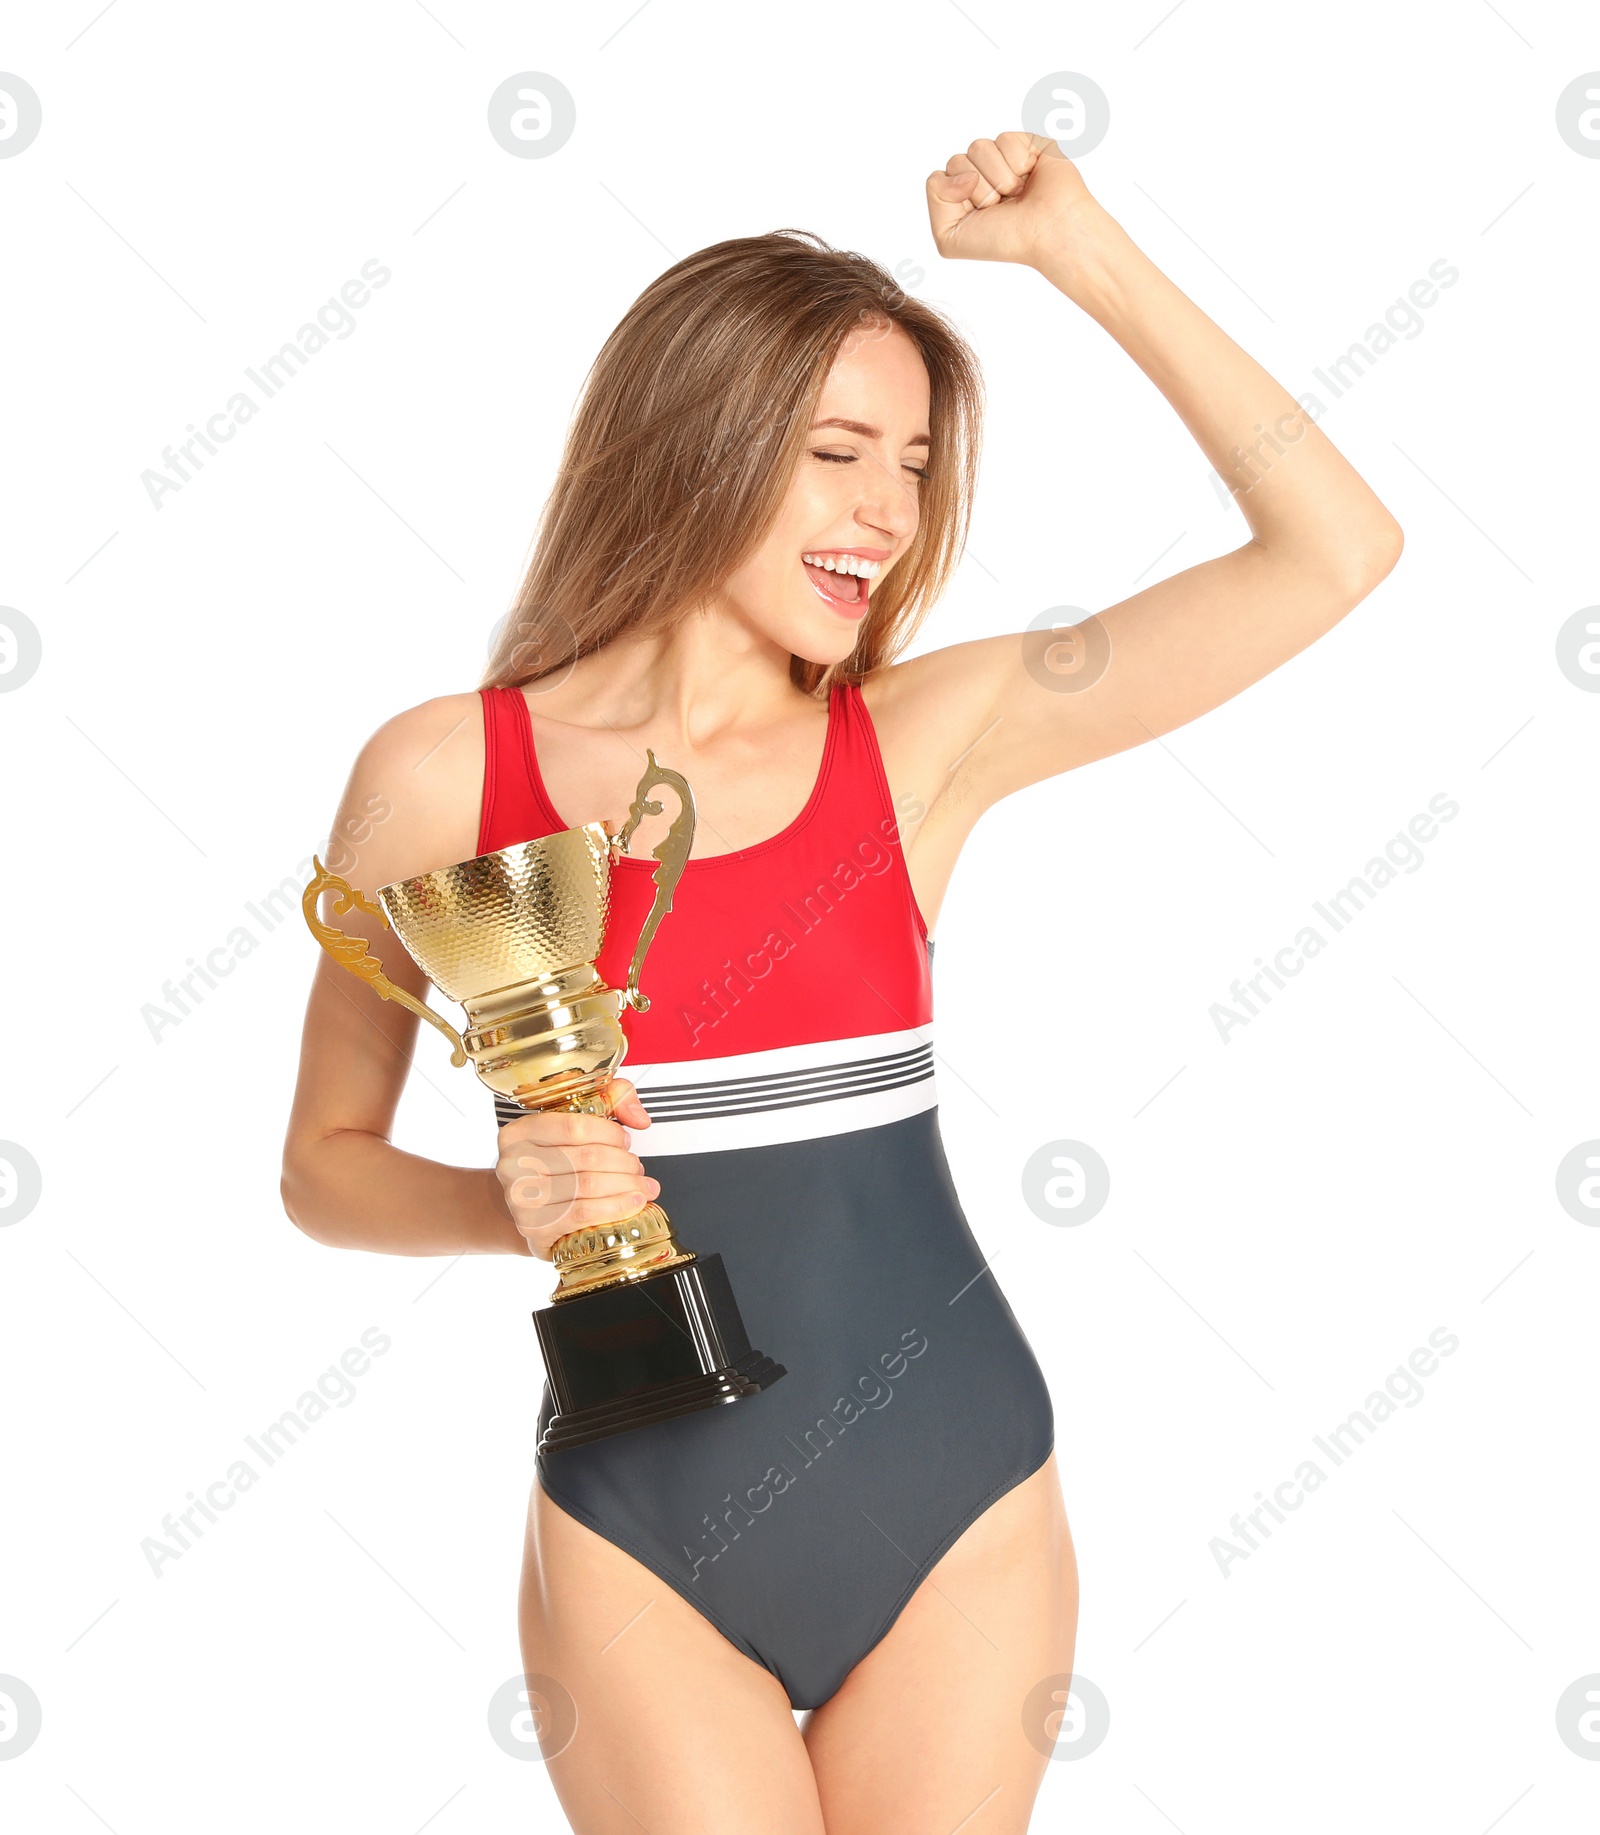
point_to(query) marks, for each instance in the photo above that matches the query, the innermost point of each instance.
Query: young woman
(879, 1537)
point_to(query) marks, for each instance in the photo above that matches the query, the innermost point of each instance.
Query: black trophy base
(644, 1351)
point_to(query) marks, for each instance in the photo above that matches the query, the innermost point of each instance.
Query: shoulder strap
(513, 809)
(860, 766)
(861, 762)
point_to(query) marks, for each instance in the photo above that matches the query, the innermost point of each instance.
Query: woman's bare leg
(927, 1731)
(677, 1731)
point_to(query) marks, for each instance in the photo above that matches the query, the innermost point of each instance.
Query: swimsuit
(787, 1065)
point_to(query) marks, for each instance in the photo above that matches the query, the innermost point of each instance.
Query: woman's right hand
(561, 1172)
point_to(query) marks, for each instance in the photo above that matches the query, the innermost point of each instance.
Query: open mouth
(840, 579)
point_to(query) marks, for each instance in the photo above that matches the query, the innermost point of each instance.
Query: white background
(1291, 1211)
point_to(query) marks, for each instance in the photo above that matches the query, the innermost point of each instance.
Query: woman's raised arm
(1320, 540)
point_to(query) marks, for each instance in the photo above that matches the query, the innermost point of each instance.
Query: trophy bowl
(512, 937)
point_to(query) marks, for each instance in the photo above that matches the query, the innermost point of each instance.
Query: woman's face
(852, 501)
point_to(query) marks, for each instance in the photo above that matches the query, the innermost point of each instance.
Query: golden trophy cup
(640, 1329)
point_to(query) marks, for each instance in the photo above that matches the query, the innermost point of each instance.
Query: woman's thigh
(677, 1731)
(928, 1728)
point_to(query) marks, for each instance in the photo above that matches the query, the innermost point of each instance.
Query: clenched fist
(1011, 199)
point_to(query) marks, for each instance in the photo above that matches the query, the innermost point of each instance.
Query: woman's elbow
(1347, 567)
(1375, 556)
(297, 1189)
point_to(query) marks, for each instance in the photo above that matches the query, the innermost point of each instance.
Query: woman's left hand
(1011, 199)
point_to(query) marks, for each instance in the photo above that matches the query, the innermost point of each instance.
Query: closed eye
(849, 458)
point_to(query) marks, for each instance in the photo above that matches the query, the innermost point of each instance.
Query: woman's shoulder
(419, 779)
(429, 724)
(920, 704)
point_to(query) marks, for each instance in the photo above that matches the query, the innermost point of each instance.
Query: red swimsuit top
(813, 935)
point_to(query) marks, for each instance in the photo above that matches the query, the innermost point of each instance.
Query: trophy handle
(672, 854)
(351, 952)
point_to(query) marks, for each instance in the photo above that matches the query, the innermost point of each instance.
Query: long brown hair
(691, 423)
